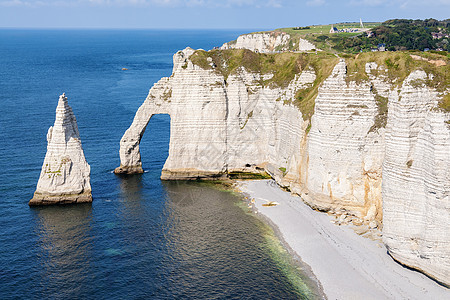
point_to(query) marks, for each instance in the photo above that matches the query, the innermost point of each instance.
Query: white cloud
(224, 3)
(10, 3)
(179, 3)
(274, 3)
(368, 2)
(195, 2)
(239, 2)
(37, 3)
(189, 3)
(315, 2)
(398, 3)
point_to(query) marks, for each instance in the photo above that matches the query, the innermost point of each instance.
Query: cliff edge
(365, 136)
(270, 41)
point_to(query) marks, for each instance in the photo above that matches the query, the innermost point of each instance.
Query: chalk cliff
(269, 42)
(217, 123)
(416, 180)
(326, 135)
(343, 156)
(65, 174)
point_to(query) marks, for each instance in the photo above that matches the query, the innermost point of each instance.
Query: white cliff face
(305, 45)
(216, 124)
(269, 42)
(416, 181)
(65, 174)
(396, 178)
(344, 157)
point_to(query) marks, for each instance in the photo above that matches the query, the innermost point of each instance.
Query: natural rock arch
(130, 155)
(233, 124)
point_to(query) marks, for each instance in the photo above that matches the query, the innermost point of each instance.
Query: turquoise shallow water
(140, 238)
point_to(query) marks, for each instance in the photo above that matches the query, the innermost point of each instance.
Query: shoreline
(306, 269)
(345, 264)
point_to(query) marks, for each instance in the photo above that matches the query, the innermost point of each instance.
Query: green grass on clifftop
(398, 65)
(325, 29)
(284, 66)
(323, 65)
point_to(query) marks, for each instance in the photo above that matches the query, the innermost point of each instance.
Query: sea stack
(65, 174)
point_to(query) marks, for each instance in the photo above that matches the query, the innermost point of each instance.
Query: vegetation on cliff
(399, 34)
(395, 35)
(305, 98)
(284, 66)
(393, 66)
(396, 66)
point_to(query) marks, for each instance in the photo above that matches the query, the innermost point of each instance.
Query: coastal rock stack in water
(65, 174)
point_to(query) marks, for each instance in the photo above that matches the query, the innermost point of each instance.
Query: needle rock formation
(65, 174)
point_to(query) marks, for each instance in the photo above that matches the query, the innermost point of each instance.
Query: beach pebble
(343, 219)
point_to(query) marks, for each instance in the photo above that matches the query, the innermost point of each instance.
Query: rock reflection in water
(65, 249)
(213, 248)
(159, 240)
(138, 213)
(131, 188)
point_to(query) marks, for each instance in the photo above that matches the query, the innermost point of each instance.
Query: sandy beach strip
(348, 266)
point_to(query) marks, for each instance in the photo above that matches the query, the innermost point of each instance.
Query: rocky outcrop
(269, 42)
(304, 45)
(344, 158)
(65, 174)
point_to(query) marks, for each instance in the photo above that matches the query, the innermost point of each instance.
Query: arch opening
(154, 144)
(130, 154)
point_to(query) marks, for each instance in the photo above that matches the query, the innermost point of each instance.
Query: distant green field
(323, 29)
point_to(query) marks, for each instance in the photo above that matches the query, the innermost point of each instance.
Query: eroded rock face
(395, 178)
(269, 42)
(65, 174)
(344, 156)
(216, 125)
(416, 181)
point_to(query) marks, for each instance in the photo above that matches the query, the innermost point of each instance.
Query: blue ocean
(141, 238)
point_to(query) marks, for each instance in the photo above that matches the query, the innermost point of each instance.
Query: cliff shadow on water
(216, 240)
(200, 236)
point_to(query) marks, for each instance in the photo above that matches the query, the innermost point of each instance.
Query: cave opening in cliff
(154, 145)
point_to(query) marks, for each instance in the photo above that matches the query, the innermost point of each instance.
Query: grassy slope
(286, 65)
(399, 65)
(325, 29)
(316, 31)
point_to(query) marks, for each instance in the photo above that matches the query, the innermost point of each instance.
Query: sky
(209, 14)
